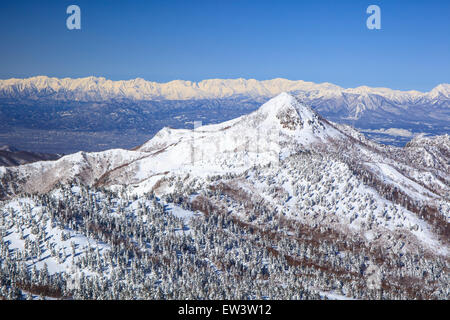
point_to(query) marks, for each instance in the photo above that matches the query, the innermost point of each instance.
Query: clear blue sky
(163, 40)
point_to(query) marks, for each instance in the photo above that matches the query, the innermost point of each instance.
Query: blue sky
(163, 40)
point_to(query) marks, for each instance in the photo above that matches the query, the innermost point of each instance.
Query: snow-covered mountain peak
(278, 127)
(282, 101)
(288, 113)
(442, 89)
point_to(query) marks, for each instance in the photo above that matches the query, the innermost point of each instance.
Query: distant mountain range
(101, 89)
(100, 105)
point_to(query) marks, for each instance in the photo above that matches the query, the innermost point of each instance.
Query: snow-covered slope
(87, 168)
(283, 121)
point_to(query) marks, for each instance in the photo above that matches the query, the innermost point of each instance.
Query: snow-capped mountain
(281, 181)
(99, 88)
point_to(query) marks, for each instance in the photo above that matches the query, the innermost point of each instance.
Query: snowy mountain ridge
(100, 88)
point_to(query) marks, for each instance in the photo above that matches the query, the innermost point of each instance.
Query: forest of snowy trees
(78, 242)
